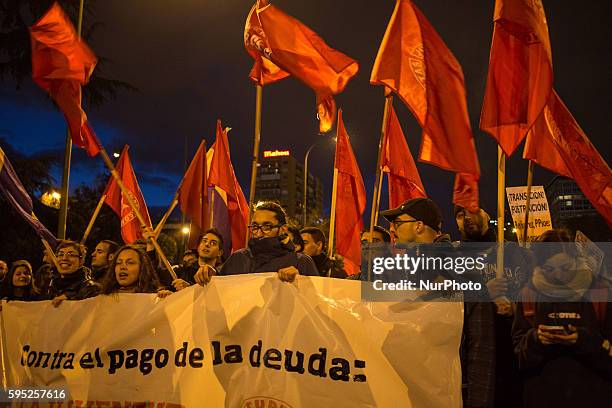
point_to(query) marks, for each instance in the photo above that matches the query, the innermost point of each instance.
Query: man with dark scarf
(269, 249)
(315, 247)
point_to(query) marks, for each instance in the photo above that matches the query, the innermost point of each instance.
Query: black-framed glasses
(67, 255)
(398, 223)
(265, 228)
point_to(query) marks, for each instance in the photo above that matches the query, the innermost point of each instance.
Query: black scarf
(265, 250)
(63, 282)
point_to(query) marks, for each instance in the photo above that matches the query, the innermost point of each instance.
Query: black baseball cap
(421, 209)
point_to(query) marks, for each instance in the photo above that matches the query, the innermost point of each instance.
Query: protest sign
(539, 213)
(242, 341)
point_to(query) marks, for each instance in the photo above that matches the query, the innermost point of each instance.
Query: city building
(280, 177)
(566, 201)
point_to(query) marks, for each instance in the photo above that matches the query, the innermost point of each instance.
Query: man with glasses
(419, 221)
(73, 280)
(269, 249)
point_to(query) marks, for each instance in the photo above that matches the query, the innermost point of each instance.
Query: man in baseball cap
(417, 220)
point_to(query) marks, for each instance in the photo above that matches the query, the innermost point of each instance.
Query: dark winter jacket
(267, 255)
(76, 286)
(328, 267)
(97, 274)
(564, 375)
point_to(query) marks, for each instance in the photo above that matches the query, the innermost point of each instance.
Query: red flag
(130, 226)
(350, 202)
(414, 62)
(403, 176)
(222, 176)
(520, 75)
(465, 191)
(193, 195)
(61, 64)
(283, 46)
(558, 143)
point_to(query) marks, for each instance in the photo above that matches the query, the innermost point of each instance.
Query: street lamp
(305, 197)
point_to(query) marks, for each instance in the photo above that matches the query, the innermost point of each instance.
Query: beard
(471, 231)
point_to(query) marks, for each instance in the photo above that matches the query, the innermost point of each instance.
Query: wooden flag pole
(160, 224)
(134, 206)
(379, 176)
(256, 139)
(501, 204)
(51, 254)
(529, 183)
(332, 219)
(211, 208)
(65, 190)
(93, 218)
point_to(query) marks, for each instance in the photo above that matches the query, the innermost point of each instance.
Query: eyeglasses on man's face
(398, 223)
(265, 228)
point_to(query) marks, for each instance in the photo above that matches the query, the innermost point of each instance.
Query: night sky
(188, 61)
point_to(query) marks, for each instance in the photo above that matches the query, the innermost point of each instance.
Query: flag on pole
(61, 64)
(520, 78)
(557, 143)
(402, 174)
(222, 176)
(193, 195)
(16, 195)
(350, 202)
(131, 229)
(283, 46)
(414, 62)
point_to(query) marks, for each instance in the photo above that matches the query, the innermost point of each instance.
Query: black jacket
(328, 267)
(276, 256)
(559, 375)
(76, 286)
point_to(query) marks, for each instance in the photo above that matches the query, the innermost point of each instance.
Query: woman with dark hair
(130, 271)
(18, 284)
(562, 329)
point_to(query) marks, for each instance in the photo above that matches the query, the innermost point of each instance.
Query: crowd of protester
(513, 352)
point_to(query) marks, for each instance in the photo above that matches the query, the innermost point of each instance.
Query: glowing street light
(185, 230)
(51, 199)
(116, 155)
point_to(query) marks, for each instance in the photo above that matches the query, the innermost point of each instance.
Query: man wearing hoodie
(269, 249)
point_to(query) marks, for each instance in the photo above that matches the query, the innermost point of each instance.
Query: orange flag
(558, 143)
(520, 75)
(414, 62)
(403, 176)
(61, 64)
(222, 176)
(283, 46)
(350, 201)
(193, 195)
(130, 226)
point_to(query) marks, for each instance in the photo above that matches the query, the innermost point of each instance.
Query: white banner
(247, 341)
(539, 213)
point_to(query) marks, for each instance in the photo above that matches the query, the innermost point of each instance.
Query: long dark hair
(8, 289)
(148, 282)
